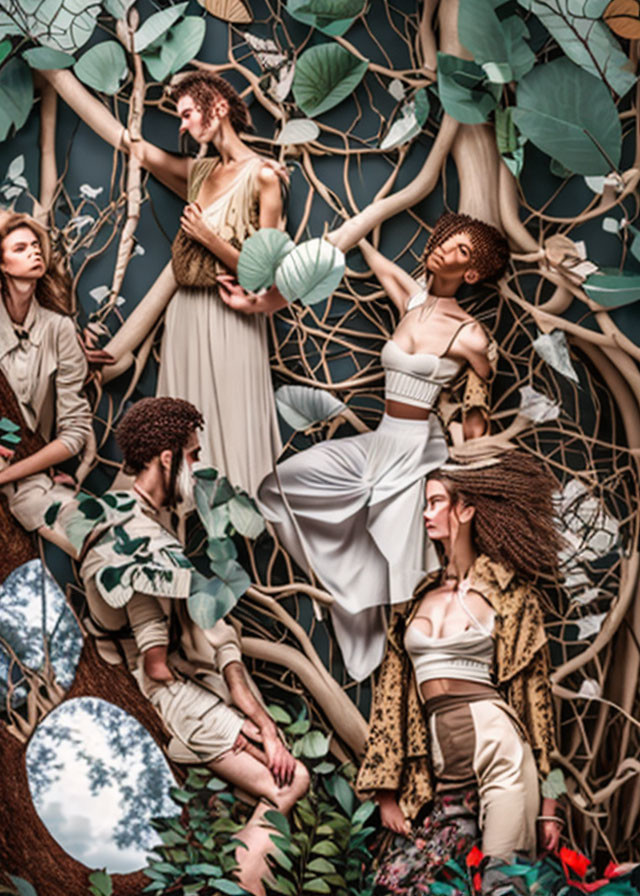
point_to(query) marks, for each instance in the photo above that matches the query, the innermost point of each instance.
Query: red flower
(612, 870)
(477, 882)
(574, 860)
(474, 858)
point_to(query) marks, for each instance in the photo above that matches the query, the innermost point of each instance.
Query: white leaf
(611, 225)
(589, 625)
(590, 688)
(577, 578)
(138, 249)
(99, 293)
(404, 128)
(268, 53)
(298, 130)
(21, 182)
(498, 72)
(81, 221)
(595, 182)
(281, 80)
(11, 192)
(120, 301)
(585, 597)
(553, 348)
(536, 406)
(90, 192)
(396, 89)
(15, 168)
(302, 406)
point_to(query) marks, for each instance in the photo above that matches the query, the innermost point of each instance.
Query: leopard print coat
(397, 750)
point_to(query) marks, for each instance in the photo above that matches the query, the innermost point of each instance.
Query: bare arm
(170, 170)
(54, 453)
(477, 349)
(280, 762)
(399, 285)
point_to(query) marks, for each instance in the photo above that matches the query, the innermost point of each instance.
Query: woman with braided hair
(350, 508)
(212, 355)
(462, 719)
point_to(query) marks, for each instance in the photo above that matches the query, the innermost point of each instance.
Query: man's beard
(183, 488)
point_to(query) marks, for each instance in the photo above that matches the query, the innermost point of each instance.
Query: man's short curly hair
(153, 425)
(490, 250)
(205, 89)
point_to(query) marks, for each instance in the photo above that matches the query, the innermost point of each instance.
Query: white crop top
(467, 655)
(416, 379)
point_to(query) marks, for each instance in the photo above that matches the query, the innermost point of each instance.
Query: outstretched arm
(399, 285)
(170, 170)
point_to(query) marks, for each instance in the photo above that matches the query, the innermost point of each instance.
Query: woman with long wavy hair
(462, 725)
(42, 371)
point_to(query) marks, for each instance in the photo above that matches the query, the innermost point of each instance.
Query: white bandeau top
(467, 655)
(416, 379)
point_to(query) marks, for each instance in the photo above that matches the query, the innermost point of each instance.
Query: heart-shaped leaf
(47, 58)
(260, 256)
(326, 75)
(102, 67)
(211, 599)
(16, 95)
(570, 115)
(302, 406)
(310, 272)
(298, 130)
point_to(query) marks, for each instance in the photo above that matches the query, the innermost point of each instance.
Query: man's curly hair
(490, 250)
(204, 89)
(154, 425)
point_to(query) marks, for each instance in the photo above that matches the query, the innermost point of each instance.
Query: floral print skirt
(436, 849)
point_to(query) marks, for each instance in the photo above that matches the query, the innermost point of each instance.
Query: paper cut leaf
(302, 406)
(228, 10)
(553, 348)
(245, 517)
(623, 17)
(613, 290)
(325, 76)
(331, 17)
(462, 90)
(47, 58)
(298, 130)
(536, 406)
(589, 625)
(260, 256)
(156, 26)
(310, 272)
(102, 67)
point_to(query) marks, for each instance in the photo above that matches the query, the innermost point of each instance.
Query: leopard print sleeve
(529, 693)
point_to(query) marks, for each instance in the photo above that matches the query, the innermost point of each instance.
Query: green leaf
(118, 8)
(53, 23)
(316, 886)
(300, 726)
(10, 438)
(570, 115)
(211, 599)
(315, 745)
(326, 75)
(111, 576)
(332, 17)
(321, 866)
(206, 474)
(101, 882)
(363, 812)
(245, 517)
(613, 290)
(462, 90)
(23, 886)
(153, 28)
(7, 425)
(203, 868)
(324, 768)
(51, 514)
(16, 95)
(47, 58)
(499, 47)
(310, 272)
(279, 822)
(176, 48)
(260, 256)
(302, 406)
(339, 788)
(278, 714)
(219, 550)
(586, 40)
(326, 848)
(5, 49)
(91, 509)
(103, 67)
(554, 786)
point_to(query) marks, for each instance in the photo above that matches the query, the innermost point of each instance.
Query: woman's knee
(289, 795)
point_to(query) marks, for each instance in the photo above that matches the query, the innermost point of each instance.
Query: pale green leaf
(462, 90)
(571, 116)
(302, 406)
(183, 42)
(315, 745)
(499, 47)
(587, 41)
(245, 517)
(260, 256)
(103, 67)
(153, 28)
(23, 886)
(403, 129)
(59, 24)
(47, 58)
(310, 272)
(326, 75)
(211, 599)
(332, 17)
(118, 8)
(554, 786)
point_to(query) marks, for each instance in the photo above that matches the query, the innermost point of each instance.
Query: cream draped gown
(218, 358)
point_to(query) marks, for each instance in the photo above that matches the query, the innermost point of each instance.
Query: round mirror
(38, 633)
(97, 778)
